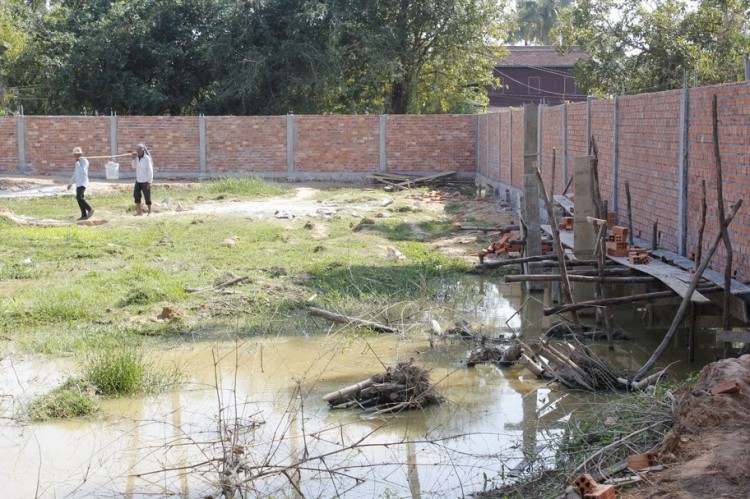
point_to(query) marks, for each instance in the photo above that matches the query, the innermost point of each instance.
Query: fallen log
(350, 321)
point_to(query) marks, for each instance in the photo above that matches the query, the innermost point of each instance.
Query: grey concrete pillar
(383, 144)
(615, 155)
(531, 214)
(113, 134)
(203, 160)
(21, 132)
(291, 132)
(682, 202)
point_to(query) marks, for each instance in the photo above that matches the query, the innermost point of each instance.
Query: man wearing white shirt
(144, 176)
(80, 179)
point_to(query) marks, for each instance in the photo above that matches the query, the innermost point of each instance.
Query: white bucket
(112, 170)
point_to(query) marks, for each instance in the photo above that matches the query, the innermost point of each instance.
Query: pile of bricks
(566, 223)
(611, 219)
(505, 245)
(638, 256)
(617, 241)
(587, 488)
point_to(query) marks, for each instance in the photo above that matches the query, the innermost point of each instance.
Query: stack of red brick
(566, 223)
(617, 241)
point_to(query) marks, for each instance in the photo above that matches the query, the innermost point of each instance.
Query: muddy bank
(707, 451)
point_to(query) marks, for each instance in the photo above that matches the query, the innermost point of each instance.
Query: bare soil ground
(707, 452)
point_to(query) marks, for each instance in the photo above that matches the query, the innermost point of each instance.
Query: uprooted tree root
(401, 387)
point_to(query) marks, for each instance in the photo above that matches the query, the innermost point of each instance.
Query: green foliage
(71, 400)
(536, 20)
(271, 57)
(635, 47)
(124, 370)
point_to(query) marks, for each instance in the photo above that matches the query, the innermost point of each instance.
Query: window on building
(534, 84)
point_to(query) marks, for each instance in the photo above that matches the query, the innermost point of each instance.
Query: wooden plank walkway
(676, 279)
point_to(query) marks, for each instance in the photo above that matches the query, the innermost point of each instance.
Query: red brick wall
(517, 152)
(337, 144)
(602, 128)
(245, 144)
(483, 127)
(506, 136)
(577, 140)
(8, 144)
(50, 141)
(493, 170)
(649, 160)
(431, 143)
(172, 140)
(552, 121)
(733, 106)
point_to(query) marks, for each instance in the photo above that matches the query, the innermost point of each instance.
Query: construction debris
(400, 388)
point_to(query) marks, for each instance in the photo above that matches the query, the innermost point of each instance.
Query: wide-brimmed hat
(77, 150)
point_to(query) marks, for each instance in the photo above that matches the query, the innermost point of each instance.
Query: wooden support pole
(680, 315)
(630, 213)
(727, 317)
(557, 245)
(655, 236)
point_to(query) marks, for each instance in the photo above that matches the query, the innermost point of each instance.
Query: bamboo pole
(697, 259)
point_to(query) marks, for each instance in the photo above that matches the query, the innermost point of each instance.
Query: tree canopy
(637, 46)
(256, 57)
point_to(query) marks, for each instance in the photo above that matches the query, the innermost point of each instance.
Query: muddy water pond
(259, 402)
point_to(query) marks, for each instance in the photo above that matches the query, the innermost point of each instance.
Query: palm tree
(536, 19)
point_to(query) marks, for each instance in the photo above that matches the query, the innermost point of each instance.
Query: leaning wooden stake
(726, 317)
(685, 301)
(620, 300)
(697, 259)
(350, 321)
(557, 245)
(630, 213)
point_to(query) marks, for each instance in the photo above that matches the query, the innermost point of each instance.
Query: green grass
(125, 370)
(74, 399)
(63, 288)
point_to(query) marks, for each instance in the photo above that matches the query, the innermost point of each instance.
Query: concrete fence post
(683, 180)
(290, 136)
(539, 140)
(203, 156)
(615, 154)
(588, 124)
(531, 213)
(510, 148)
(21, 132)
(565, 144)
(113, 134)
(383, 144)
(477, 131)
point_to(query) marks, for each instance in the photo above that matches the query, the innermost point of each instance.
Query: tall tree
(648, 46)
(536, 20)
(403, 47)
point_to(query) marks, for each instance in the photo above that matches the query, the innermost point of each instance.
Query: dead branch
(351, 321)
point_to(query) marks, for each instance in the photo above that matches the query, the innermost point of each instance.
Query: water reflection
(260, 401)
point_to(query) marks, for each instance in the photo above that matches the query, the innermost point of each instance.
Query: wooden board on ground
(676, 279)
